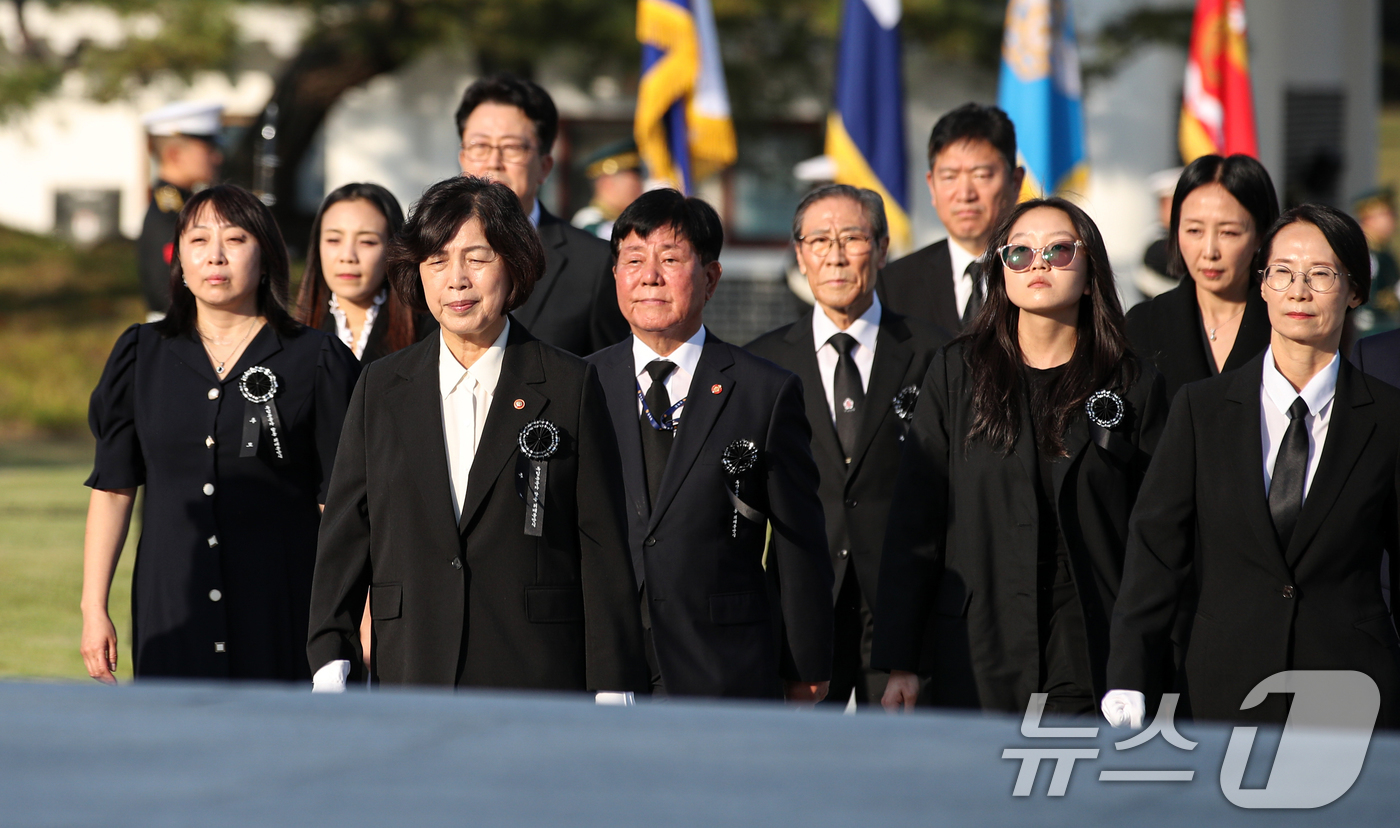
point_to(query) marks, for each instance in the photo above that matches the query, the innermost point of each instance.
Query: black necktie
(1290, 470)
(974, 300)
(657, 442)
(848, 395)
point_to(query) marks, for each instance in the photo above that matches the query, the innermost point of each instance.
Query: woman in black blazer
(1033, 430)
(1276, 513)
(344, 289)
(1214, 320)
(479, 497)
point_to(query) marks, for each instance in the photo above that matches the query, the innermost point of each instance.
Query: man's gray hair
(870, 203)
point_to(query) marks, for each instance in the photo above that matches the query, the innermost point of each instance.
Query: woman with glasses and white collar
(1032, 433)
(1274, 491)
(478, 500)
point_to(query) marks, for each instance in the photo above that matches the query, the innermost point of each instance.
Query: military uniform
(154, 248)
(614, 158)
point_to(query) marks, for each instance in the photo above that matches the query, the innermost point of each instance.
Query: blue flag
(865, 131)
(1040, 91)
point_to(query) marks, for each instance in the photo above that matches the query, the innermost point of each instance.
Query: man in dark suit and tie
(973, 181)
(507, 126)
(716, 452)
(861, 365)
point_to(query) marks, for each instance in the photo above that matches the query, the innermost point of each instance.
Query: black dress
(223, 571)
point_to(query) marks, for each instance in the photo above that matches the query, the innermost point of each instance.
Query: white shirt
(686, 357)
(1276, 396)
(962, 282)
(865, 329)
(342, 325)
(466, 398)
(535, 215)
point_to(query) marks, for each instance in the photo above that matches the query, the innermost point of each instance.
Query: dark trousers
(850, 662)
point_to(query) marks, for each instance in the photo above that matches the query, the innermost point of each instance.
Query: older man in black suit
(716, 451)
(973, 181)
(507, 126)
(861, 365)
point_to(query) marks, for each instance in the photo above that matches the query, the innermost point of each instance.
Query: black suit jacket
(574, 304)
(477, 602)
(1203, 517)
(920, 286)
(856, 498)
(1166, 331)
(958, 576)
(1379, 356)
(723, 624)
(424, 326)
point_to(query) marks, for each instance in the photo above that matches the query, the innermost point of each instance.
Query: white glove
(331, 677)
(628, 699)
(1124, 707)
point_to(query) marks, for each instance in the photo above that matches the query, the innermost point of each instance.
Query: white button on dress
(209, 488)
(215, 595)
(213, 393)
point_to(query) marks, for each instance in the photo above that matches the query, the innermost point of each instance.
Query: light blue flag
(1041, 92)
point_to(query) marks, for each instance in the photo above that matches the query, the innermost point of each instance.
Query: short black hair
(239, 208)
(688, 216)
(974, 122)
(437, 217)
(528, 96)
(1242, 177)
(1343, 234)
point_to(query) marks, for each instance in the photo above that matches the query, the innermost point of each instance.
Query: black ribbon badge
(1106, 412)
(904, 402)
(538, 441)
(739, 457)
(258, 385)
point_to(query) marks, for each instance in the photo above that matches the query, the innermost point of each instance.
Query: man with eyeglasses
(507, 127)
(861, 365)
(973, 180)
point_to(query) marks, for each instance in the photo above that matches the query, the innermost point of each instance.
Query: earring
(185, 283)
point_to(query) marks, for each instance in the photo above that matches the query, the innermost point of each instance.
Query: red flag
(1217, 106)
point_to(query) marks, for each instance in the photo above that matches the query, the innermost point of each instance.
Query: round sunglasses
(1020, 257)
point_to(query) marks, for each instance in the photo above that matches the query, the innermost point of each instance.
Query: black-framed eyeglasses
(1320, 278)
(1020, 257)
(512, 152)
(854, 244)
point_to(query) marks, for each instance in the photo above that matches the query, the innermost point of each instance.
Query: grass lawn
(43, 505)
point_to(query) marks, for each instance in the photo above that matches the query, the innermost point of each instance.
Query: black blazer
(958, 575)
(1379, 356)
(424, 326)
(856, 498)
(478, 602)
(574, 303)
(1166, 331)
(723, 624)
(1203, 517)
(920, 286)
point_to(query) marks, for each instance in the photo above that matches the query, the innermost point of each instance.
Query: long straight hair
(240, 208)
(313, 298)
(992, 349)
(1244, 178)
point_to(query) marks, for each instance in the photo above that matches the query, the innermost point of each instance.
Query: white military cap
(1163, 182)
(197, 118)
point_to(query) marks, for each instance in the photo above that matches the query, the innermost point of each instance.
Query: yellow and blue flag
(865, 131)
(682, 125)
(1040, 90)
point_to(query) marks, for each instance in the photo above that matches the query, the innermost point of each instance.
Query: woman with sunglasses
(1214, 320)
(1030, 437)
(1274, 494)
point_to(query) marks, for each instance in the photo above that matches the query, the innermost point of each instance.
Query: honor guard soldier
(183, 138)
(616, 174)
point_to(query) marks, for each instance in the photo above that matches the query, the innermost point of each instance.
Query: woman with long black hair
(344, 290)
(228, 411)
(1031, 435)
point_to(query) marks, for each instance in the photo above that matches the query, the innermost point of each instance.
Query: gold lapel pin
(519, 404)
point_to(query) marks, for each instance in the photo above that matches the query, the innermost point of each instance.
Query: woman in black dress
(1032, 433)
(229, 412)
(1215, 319)
(344, 290)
